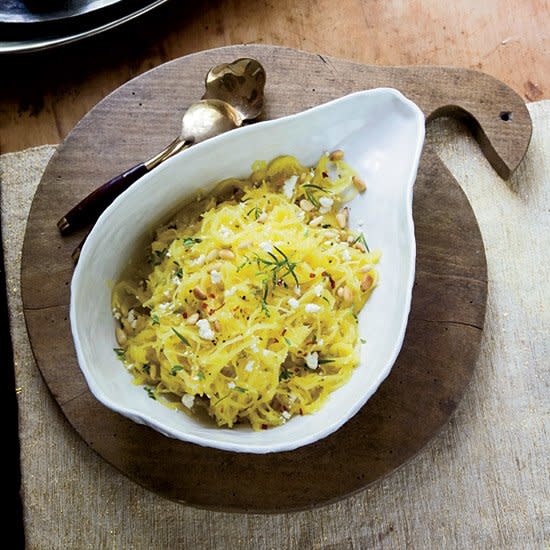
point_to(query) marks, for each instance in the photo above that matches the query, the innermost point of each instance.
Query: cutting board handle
(497, 116)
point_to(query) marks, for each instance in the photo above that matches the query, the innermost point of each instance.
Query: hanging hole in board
(506, 116)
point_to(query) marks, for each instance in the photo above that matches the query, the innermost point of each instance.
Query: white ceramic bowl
(382, 135)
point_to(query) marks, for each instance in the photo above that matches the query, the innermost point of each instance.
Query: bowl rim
(318, 434)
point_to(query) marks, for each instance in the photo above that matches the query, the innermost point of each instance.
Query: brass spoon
(241, 82)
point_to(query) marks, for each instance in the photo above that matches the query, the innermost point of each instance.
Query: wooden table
(43, 95)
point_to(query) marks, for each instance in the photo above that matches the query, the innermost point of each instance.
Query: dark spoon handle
(90, 208)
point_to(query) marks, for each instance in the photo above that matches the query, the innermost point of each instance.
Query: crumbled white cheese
(205, 332)
(231, 385)
(167, 255)
(188, 400)
(198, 261)
(266, 246)
(293, 303)
(163, 308)
(225, 233)
(289, 186)
(176, 280)
(266, 352)
(116, 314)
(326, 205)
(312, 308)
(167, 294)
(297, 290)
(215, 277)
(346, 256)
(254, 345)
(286, 415)
(321, 341)
(132, 319)
(312, 360)
(317, 290)
(130, 366)
(249, 366)
(230, 291)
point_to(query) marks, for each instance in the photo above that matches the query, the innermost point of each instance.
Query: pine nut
(199, 294)
(360, 185)
(340, 292)
(306, 206)
(226, 254)
(212, 255)
(347, 295)
(336, 155)
(262, 217)
(192, 319)
(366, 282)
(316, 221)
(216, 325)
(342, 218)
(121, 337)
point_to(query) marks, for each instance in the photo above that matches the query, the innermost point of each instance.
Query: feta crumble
(249, 366)
(188, 400)
(293, 303)
(198, 261)
(266, 246)
(312, 308)
(326, 205)
(231, 385)
(289, 185)
(312, 360)
(317, 290)
(205, 332)
(215, 277)
(346, 256)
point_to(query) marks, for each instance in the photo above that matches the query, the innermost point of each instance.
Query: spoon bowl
(240, 83)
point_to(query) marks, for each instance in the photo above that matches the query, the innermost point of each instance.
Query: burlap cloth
(482, 483)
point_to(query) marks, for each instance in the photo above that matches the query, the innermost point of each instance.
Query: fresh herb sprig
(181, 337)
(361, 239)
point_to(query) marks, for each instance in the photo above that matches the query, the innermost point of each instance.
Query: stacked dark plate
(30, 25)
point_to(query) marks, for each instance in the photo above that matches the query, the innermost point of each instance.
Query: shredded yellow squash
(247, 307)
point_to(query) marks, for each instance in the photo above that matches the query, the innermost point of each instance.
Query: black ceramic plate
(30, 25)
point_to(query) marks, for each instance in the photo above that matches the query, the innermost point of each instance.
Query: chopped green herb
(147, 368)
(246, 262)
(120, 353)
(179, 273)
(155, 319)
(190, 241)
(150, 392)
(284, 374)
(182, 338)
(363, 341)
(175, 369)
(289, 343)
(200, 375)
(239, 389)
(257, 212)
(221, 399)
(361, 239)
(325, 361)
(313, 186)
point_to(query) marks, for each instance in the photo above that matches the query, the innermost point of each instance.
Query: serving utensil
(233, 94)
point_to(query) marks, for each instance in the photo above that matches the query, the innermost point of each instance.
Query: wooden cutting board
(446, 321)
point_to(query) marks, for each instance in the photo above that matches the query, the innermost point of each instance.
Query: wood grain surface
(43, 95)
(448, 309)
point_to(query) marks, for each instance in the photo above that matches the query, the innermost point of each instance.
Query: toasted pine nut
(244, 244)
(226, 254)
(306, 206)
(262, 217)
(340, 292)
(121, 337)
(212, 255)
(303, 177)
(199, 294)
(336, 155)
(360, 246)
(360, 185)
(347, 295)
(316, 221)
(366, 282)
(216, 325)
(342, 218)
(192, 319)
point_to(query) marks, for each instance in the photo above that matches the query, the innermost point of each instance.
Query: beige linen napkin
(482, 483)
